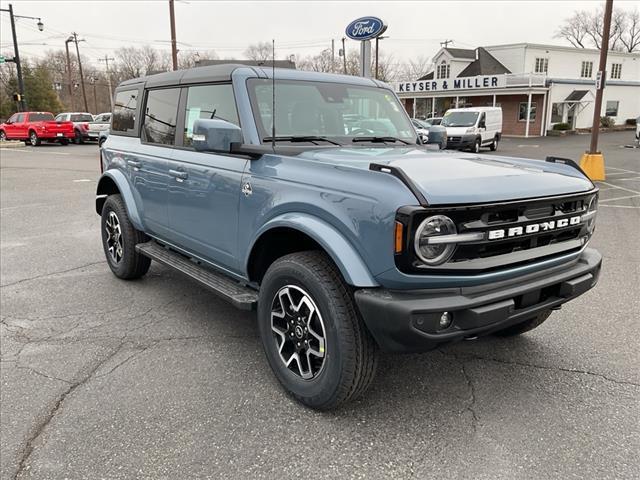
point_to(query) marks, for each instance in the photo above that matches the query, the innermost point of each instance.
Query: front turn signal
(399, 230)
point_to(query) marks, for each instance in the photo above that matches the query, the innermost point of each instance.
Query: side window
(483, 120)
(124, 111)
(209, 101)
(13, 118)
(61, 117)
(20, 118)
(161, 112)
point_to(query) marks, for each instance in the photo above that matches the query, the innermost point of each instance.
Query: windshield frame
(342, 140)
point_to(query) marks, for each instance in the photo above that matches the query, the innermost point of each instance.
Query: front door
(205, 188)
(11, 127)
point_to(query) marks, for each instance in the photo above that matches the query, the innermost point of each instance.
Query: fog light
(445, 320)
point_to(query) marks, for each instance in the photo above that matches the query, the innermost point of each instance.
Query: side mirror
(482, 125)
(214, 135)
(424, 139)
(437, 135)
(8, 122)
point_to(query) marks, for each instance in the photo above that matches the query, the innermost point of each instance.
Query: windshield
(81, 117)
(40, 117)
(459, 119)
(334, 110)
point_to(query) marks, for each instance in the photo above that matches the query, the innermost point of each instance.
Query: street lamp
(22, 103)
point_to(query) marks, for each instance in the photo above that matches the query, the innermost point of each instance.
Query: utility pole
(592, 162)
(344, 56)
(602, 72)
(84, 92)
(333, 55)
(174, 46)
(106, 62)
(66, 46)
(22, 103)
(446, 43)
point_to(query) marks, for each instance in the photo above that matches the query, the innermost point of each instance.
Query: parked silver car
(100, 123)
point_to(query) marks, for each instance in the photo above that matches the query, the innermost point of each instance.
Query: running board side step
(240, 296)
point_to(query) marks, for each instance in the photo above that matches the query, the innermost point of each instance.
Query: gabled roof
(485, 64)
(467, 53)
(428, 76)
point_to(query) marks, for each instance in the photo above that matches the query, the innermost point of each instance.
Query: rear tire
(77, 139)
(322, 302)
(64, 141)
(34, 141)
(494, 145)
(525, 326)
(119, 240)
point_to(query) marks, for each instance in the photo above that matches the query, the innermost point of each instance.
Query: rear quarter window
(80, 117)
(124, 119)
(40, 117)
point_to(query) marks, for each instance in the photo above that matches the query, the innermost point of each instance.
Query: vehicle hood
(452, 177)
(456, 130)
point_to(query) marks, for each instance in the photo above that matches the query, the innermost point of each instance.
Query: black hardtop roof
(209, 73)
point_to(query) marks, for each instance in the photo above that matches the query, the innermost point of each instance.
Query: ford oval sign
(365, 28)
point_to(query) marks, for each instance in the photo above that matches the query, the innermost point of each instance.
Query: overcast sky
(300, 27)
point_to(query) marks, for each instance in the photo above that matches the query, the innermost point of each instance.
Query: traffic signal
(17, 97)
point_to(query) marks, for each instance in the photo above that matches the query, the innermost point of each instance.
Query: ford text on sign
(463, 83)
(365, 28)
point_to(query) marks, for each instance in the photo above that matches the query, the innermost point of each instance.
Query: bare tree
(630, 37)
(260, 52)
(414, 68)
(584, 29)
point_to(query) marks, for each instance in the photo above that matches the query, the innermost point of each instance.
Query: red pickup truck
(34, 127)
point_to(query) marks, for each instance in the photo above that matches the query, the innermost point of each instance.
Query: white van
(473, 127)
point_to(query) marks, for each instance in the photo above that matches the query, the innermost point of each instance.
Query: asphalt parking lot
(157, 378)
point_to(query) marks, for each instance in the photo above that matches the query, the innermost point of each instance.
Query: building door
(571, 116)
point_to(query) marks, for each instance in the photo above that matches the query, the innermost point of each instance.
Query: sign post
(364, 29)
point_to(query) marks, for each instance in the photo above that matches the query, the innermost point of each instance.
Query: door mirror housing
(215, 135)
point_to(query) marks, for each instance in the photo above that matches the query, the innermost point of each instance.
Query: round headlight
(427, 247)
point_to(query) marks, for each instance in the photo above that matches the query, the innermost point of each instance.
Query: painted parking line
(619, 198)
(619, 187)
(619, 206)
(623, 170)
(31, 150)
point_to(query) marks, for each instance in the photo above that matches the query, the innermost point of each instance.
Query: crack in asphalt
(472, 398)
(43, 275)
(541, 367)
(40, 427)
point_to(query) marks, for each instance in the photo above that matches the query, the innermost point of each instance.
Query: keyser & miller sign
(446, 84)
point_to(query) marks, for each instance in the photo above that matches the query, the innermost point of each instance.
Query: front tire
(3, 136)
(525, 326)
(314, 339)
(119, 240)
(34, 141)
(476, 146)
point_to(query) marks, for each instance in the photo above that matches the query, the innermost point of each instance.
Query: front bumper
(461, 141)
(408, 320)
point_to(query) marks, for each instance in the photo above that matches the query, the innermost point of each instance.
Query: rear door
(204, 187)
(22, 125)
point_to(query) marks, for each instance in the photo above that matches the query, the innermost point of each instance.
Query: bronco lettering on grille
(533, 228)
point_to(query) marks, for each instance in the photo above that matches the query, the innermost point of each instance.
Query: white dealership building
(537, 86)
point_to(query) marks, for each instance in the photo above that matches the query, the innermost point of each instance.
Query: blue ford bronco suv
(311, 199)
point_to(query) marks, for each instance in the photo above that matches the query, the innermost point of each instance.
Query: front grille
(454, 139)
(514, 232)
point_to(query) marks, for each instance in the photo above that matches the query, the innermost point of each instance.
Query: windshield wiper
(380, 140)
(300, 138)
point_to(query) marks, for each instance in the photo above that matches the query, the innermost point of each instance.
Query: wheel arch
(294, 232)
(113, 182)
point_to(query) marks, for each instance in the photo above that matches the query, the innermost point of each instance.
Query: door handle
(179, 175)
(134, 163)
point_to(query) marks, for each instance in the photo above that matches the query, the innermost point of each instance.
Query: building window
(612, 108)
(522, 112)
(616, 71)
(160, 116)
(587, 70)
(542, 65)
(443, 70)
(557, 110)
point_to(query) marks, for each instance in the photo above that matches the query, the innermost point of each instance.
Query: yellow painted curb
(593, 165)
